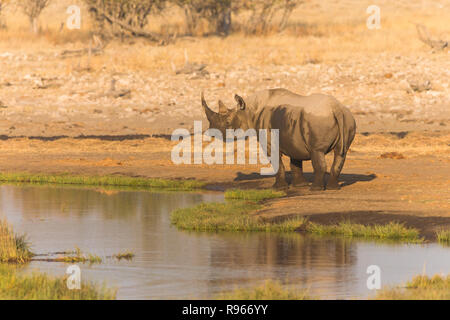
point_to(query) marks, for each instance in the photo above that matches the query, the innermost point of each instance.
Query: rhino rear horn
(222, 107)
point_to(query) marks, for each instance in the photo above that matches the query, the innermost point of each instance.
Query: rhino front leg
(320, 167)
(336, 168)
(298, 180)
(280, 178)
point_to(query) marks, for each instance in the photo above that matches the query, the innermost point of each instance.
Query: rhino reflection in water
(309, 127)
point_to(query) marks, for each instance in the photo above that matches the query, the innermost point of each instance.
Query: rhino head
(237, 118)
(218, 120)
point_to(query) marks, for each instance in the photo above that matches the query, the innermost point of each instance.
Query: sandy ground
(40, 98)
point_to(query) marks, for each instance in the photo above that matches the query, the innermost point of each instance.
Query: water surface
(178, 264)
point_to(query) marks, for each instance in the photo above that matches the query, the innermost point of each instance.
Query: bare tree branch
(424, 36)
(33, 9)
(134, 31)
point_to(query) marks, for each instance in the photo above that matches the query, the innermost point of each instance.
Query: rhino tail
(339, 116)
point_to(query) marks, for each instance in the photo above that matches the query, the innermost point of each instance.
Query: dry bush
(32, 9)
(258, 15)
(263, 12)
(3, 5)
(216, 12)
(123, 17)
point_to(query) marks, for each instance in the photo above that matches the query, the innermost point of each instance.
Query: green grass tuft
(270, 290)
(443, 236)
(77, 256)
(253, 194)
(15, 286)
(390, 231)
(419, 288)
(13, 248)
(182, 185)
(90, 258)
(128, 255)
(235, 215)
(229, 216)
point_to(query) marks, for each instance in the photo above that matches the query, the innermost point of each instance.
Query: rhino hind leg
(336, 168)
(298, 180)
(320, 167)
(280, 178)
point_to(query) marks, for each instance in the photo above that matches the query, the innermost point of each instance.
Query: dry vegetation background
(389, 78)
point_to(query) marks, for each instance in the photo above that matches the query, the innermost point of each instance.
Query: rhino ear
(222, 107)
(241, 103)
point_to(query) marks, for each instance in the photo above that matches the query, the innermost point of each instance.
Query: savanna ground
(59, 115)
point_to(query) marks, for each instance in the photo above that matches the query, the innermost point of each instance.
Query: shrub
(263, 13)
(123, 17)
(216, 12)
(33, 9)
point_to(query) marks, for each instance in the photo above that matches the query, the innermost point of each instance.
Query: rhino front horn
(209, 113)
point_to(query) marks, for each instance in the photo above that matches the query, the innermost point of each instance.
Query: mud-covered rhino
(309, 127)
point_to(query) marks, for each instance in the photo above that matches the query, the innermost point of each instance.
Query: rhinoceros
(309, 127)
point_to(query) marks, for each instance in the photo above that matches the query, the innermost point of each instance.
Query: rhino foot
(316, 187)
(300, 183)
(333, 186)
(280, 185)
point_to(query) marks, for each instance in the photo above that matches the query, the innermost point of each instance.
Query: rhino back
(271, 98)
(300, 130)
(279, 96)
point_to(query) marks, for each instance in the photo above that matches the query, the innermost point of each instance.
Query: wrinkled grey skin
(309, 127)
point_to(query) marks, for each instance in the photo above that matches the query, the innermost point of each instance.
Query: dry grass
(270, 290)
(326, 48)
(253, 194)
(419, 288)
(314, 28)
(39, 286)
(178, 185)
(391, 231)
(13, 248)
(413, 144)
